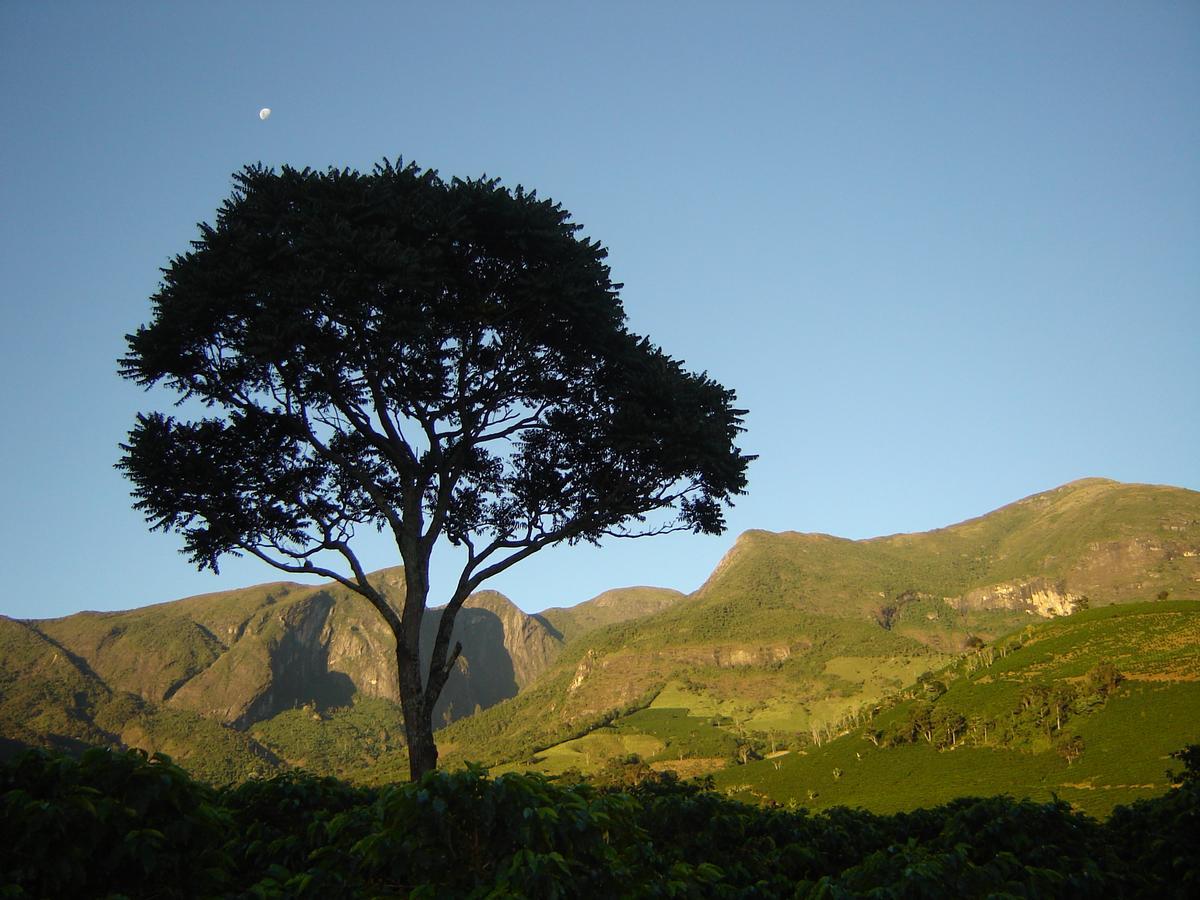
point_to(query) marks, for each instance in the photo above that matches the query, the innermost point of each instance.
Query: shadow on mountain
(331, 690)
(484, 674)
(554, 632)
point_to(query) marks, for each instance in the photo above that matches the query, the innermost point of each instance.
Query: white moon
(264, 113)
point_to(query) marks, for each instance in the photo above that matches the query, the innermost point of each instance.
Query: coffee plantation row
(111, 824)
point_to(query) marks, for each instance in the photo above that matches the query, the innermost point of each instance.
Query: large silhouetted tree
(439, 360)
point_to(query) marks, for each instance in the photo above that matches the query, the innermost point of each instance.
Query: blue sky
(946, 253)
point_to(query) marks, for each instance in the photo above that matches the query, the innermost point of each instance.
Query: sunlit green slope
(610, 607)
(1032, 722)
(795, 634)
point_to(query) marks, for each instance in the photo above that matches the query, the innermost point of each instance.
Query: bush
(452, 834)
(123, 824)
(108, 823)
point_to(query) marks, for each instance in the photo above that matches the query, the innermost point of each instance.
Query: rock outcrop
(582, 671)
(241, 657)
(1036, 596)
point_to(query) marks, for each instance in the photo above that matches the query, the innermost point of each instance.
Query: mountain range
(792, 637)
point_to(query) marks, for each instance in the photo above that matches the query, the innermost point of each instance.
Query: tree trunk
(422, 751)
(414, 700)
(418, 716)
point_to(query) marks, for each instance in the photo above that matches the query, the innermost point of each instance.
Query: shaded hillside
(51, 698)
(47, 698)
(191, 677)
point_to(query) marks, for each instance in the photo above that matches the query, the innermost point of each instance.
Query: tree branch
(372, 489)
(391, 429)
(360, 585)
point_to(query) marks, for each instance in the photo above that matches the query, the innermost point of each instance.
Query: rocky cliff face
(732, 656)
(1036, 596)
(582, 671)
(242, 657)
(527, 642)
(278, 662)
(361, 649)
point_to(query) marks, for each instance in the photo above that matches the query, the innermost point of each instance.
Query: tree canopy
(438, 360)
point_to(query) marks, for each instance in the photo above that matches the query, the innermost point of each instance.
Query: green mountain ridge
(790, 638)
(203, 678)
(608, 608)
(794, 634)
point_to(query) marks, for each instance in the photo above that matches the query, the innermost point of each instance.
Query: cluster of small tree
(1041, 712)
(747, 750)
(981, 655)
(934, 723)
(752, 745)
(822, 730)
(1045, 709)
(627, 770)
(124, 824)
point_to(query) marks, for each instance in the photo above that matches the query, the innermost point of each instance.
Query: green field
(1126, 759)
(1126, 737)
(1005, 742)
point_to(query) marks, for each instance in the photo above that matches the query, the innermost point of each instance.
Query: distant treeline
(123, 824)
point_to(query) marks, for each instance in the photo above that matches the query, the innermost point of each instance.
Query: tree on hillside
(1102, 679)
(948, 725)
(443, 361)
(1062, 697)
(1069, 748)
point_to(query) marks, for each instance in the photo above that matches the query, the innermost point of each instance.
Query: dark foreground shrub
(519, 835)
(122, 824)
(289, 831)
(1156, 839)
(108, 823)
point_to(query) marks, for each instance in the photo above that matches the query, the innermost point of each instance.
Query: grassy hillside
(811, 676)
(1109, 541)
(609, 608)
(1125, 737)
(51, 698)
(788, 641)
(47, 697)
(1003, 744)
